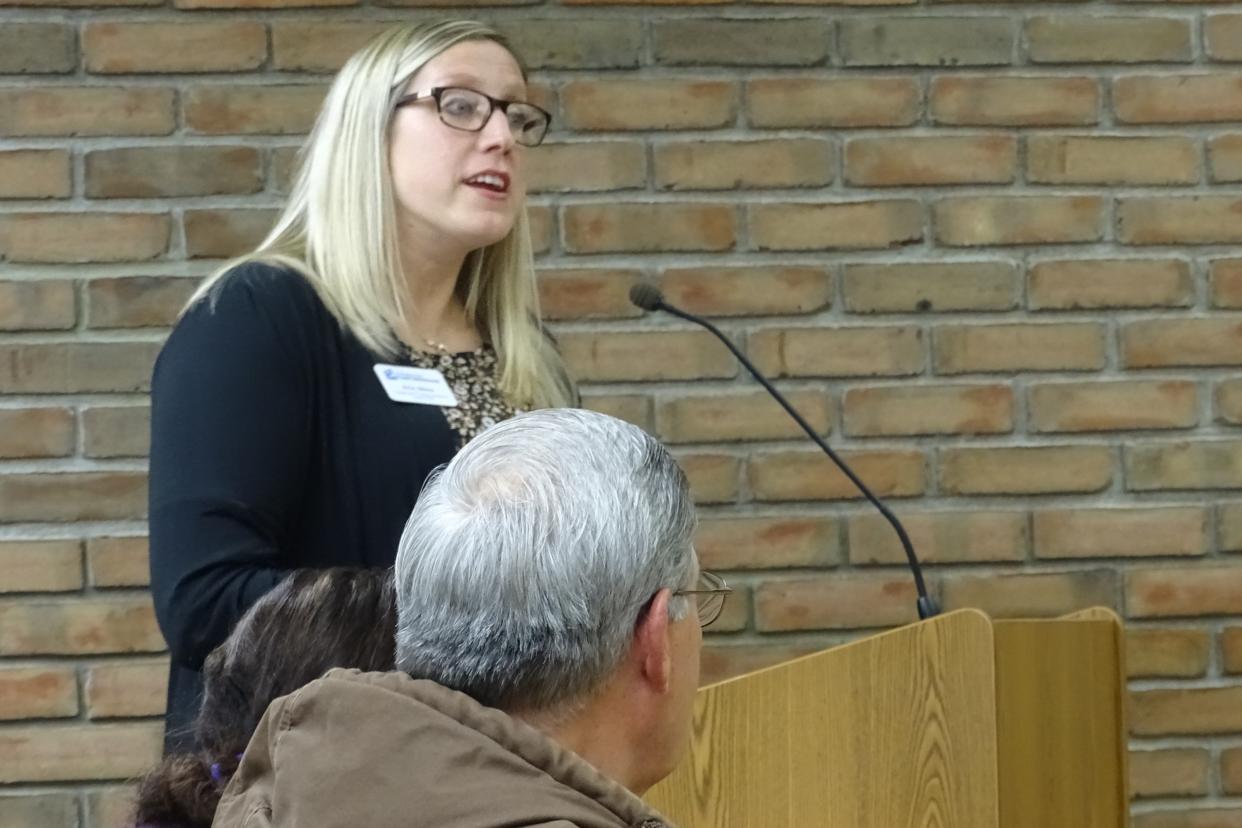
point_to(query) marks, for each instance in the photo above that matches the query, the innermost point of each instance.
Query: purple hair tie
(217, 772)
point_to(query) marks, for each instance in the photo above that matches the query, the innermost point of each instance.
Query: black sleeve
(230, 434)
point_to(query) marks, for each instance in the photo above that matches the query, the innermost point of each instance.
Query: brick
(1121, 533)
(118, 562)
(1226, 277)
(260, 4)
(835, 602)
(40, 566)
(587, 294)
(1229, 402)
(930, 287)
(72, 238)
(727, 165)
(1186, 711)
(1231, 650)
(924, 160)
(633, 408)
(1215, 464)
(43, 305)
(314, 45)
(616, 357)
(1084, 159)
(713, 477)
(1010, 101)
(1067, 346)
(722, 661)
(1222, 36)
(1172, 593)
(1032, 595)
(748, 291)
(832, 102)
(49, 753)
(60, 497)
(1025, 470)
(25, 810)
(284, 167)
(37, 693)
(1231, 770)
(37, 432)
(1196, 818)
(35, 173)
(1178, 99)
(969, 221)
(1092, 284)
(222, 234)
(116, 431)
(735, 614)
(767, 542)
(252, 110)
(909, 410)
(1230, 537)
(752, 415)
(110, 807)
(926, 41)
(542, 227)
(1225, 158)
(838, 351)
(809, 475)
(741, 42)
(940, 537)
(577, 43)
(1186, 220)
(133, 48)
(649, 227)
(167, 172)
(1167, 652)
(76, 367)
(86, 111)
(1081, 39)
(1113, 406)
(37, 48)
(79, 626)
(648, 104)
(841, 226)
(1160, 343)
(587, 166)
(126, 688)
(1169, 772)
(137, 301)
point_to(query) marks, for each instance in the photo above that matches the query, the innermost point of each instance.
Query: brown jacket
(381, 749)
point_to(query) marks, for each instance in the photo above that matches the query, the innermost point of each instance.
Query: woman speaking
(390, 315)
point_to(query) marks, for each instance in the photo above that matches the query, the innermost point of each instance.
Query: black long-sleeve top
(273, 447)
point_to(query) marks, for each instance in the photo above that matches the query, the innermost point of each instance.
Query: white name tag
(421, 386)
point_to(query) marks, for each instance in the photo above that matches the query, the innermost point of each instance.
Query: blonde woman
(390, 315)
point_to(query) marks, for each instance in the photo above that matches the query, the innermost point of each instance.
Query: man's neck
(602, 737)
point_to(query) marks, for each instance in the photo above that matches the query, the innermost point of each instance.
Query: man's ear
(652, 645)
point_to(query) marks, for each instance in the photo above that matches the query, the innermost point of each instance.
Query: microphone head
(646, 296)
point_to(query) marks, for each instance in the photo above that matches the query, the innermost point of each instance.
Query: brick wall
(989, 250)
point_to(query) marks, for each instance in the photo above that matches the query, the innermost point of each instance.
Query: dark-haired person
(390, 315)
(549, 610)
(312, 621)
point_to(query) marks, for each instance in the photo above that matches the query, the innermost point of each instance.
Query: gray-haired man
(547, 590)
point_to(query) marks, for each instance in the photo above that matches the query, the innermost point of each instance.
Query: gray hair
(528, 558)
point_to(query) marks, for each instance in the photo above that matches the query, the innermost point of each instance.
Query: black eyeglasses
(470, 110)
(710, 593)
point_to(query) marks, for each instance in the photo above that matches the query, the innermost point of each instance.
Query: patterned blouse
(472, 377)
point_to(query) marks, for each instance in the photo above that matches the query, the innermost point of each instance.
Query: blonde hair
(339, 228)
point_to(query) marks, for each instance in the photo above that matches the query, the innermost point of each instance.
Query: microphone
(649, 298)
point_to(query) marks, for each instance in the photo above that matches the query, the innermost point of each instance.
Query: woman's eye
(458, 106)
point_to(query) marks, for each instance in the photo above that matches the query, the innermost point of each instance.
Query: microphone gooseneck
(648, 297)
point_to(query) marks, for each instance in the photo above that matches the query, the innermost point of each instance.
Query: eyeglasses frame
(724, 590)
(436, 92)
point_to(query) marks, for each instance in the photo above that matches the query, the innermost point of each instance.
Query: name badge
(420, 386)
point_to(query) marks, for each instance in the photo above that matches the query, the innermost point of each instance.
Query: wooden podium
(956, 722)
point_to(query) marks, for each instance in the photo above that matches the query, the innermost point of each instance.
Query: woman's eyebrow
(516, 93)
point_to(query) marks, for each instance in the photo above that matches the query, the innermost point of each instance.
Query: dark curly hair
(314, 620)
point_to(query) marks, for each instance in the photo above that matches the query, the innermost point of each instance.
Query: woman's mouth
(496, 183)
